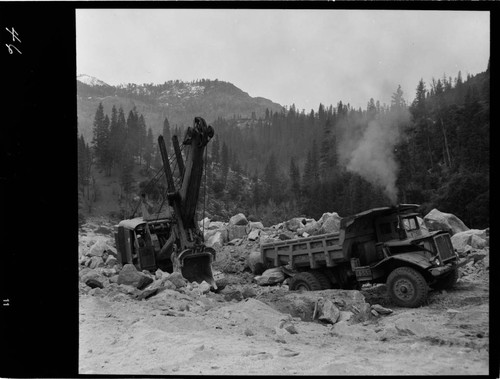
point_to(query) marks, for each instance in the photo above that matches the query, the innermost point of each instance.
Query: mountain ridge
(176, 100)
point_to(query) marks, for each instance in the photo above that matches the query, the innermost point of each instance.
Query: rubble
(269, 312)
(470, 239)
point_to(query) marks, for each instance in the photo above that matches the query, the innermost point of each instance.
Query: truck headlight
(436, 261)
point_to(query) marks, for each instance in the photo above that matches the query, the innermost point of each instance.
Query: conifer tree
(216, 149)
(100, 135)
(149, 149)
(324, 160)
(224, 160)
(142, 135)
(294, 179)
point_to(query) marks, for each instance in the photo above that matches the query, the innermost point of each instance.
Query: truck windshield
(410, 224)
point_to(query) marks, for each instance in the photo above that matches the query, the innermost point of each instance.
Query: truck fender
(413, 259)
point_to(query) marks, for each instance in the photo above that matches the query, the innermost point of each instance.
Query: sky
(301, 57)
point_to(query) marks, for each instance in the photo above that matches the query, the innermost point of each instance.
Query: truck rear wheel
(304, 281)
(322, 279)
(447, 281)
(407, 287)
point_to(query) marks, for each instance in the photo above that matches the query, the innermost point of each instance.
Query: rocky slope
(158, 323)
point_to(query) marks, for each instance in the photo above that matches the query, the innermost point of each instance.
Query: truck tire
(407, 287)
(305, 281)
(322, 279)
(446, 281)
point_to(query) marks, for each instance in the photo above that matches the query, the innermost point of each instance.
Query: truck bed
(323, 250)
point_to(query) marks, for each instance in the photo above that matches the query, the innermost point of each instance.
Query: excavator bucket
(198, 268)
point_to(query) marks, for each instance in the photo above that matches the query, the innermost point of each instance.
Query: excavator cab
(134, 244)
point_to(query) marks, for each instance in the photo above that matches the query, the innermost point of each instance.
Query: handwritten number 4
(14, 35)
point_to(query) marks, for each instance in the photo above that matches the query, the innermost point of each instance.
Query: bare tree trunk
(446, 144)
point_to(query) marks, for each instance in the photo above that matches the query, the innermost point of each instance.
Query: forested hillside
(432, 150)
(177, 100)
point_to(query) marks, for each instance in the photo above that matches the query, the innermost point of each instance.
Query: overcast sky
(305, 57)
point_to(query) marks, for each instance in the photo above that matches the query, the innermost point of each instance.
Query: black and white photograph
(247, 191)
(283, 192)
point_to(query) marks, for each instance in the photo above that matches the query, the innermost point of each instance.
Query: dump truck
(380, 245)
(171, 239)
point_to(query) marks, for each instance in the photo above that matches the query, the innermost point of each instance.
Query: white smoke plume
(370, 153)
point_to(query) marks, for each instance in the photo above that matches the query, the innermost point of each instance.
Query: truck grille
(444, 246)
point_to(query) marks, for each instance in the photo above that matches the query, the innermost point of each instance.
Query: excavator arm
(190, 256)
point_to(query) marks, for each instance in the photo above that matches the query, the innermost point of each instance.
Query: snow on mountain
(90, 80)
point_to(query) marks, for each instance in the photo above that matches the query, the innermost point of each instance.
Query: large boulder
(330, 223)
(254, 262)
(326, 311)
(255, 225)
(236, 231)
(254, 235)
(130, 276)
(304, 304)
(271, 276)
(205, 223)
(473, 238)
(94, 280)
(238, 219)
(177, 279)
(95, 262)
(111, 261)
(216, 225)
(437, 220)
(100, 247)
(215, 241)
(311, 227)
(294, 224)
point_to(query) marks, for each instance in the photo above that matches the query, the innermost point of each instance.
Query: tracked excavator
(171, 240)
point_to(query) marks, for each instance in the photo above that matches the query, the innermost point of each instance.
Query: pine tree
(256, 191)
(272, 181)
(142, 135)
(149, 149)
(324, 159)
(100, 135)
(224, 160)
(294, 179)
(107, 158)
(397, 101)
(114, 137)
(216, 149)
(132, 142)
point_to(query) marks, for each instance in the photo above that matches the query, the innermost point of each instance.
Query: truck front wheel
(407, 287)
(305, 281)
